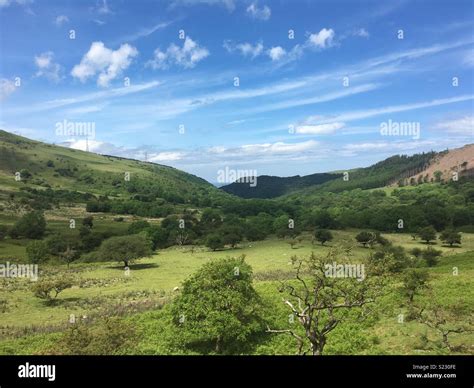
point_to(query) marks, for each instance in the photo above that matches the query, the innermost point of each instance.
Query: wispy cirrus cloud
(367, 113)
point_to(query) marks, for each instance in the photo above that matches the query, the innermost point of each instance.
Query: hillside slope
(26, 164)
(273, 186)
(460, 160)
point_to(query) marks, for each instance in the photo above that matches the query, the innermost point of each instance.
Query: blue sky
(277, 87)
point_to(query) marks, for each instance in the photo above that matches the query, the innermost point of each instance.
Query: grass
(158, 275)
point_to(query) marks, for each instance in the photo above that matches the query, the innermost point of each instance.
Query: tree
(25, 174)
(430, 255)
(31, 225)
(126, 249)
(88, 222)
(427, 234)
(3, 231)
(323, 235)
(45, 288)
(37, 251)
(214, 242)
(446, 321)
(218, 304)
(393, 256)
(364, 237)
(450, 237)
(69, 255)
(159, 236)
(254, 231)
(413, 281)
(437, 175)
(319, 303)
(210, 219)
(232, 235)
(137, 227)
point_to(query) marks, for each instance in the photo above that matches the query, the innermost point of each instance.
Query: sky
(283, 87)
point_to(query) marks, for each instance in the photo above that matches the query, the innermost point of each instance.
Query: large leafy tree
(125, 248)
(218, 304)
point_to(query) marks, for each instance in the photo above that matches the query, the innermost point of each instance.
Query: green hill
(35, 169)
(273, 186)
(380, 174)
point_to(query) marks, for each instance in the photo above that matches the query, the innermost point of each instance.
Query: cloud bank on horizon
(284, 88)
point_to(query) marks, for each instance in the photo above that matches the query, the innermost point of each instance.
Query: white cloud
(96, 96)
(103, 61)
(103, 8)
(7, 3)
(392, 146)
(187, 56)
(462, 125)
(255, 12)
(363, 114)
(321, 129)
(47, 67)
(229, 4)
(60, 20)
(7, 87)
(144, 32)
(246, 49)
(468, 59)
(275, 148)
(84, 110)
(331, 96)
(323, 39)
(276, 53)
(166, 156)
(362, 32)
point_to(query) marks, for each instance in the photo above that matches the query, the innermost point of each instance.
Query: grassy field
(150, 283)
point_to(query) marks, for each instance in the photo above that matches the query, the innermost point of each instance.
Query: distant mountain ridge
(395, 170)
(273, 186)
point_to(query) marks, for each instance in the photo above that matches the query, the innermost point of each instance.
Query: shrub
(37, 251)
(31, 225)
(323, 235)
(431, 255)
(427, 234)
(49, 289)
(450, 237)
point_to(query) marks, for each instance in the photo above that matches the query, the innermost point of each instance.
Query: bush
(431, 255)
(427, 234)
(323, 235)
(110, 336)
(49, 289)
(3, 231)
(37, 252)
(138, 226)
(31, 225)
(450, 237)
